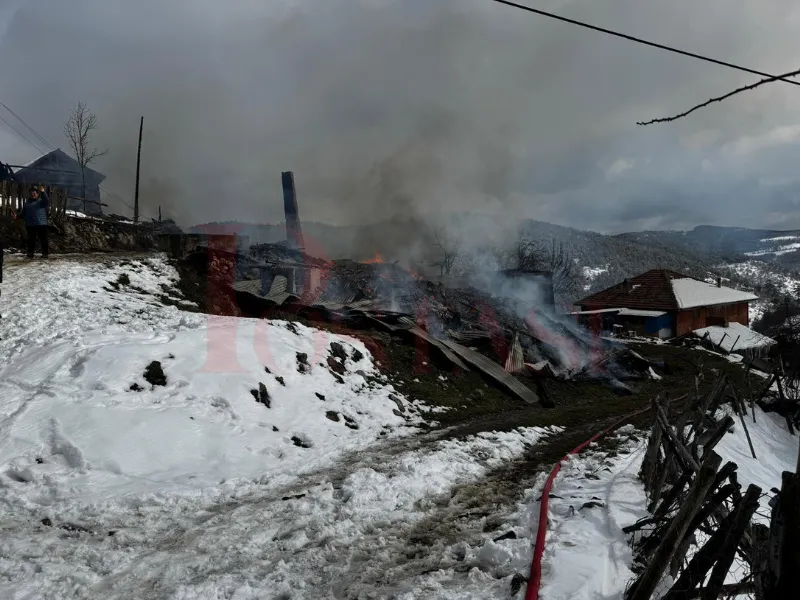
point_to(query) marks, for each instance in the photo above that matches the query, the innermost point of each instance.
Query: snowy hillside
(146, 447)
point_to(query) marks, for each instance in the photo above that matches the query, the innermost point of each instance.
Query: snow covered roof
(743, 337)
(623, 312)
(663, 290)
(691, 293)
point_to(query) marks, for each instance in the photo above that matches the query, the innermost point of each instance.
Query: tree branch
(721, 98)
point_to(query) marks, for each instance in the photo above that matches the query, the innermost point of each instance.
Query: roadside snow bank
(587, 555)
(83, 420)
(335, 534)
(776, 451)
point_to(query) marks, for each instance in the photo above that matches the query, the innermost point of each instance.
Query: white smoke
(8, 10)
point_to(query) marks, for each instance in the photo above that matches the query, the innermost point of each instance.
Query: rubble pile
(502, 337)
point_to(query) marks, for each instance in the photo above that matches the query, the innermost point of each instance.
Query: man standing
(34, 211)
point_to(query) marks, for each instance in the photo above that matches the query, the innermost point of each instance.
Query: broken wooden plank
(646, 583)
(685, 456)
(439, 345)
(742, 413)
(744, 512)
(493, 370)
(789, 580)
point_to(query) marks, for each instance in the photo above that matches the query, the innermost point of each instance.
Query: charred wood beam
(645, 584)
(742, 414)
(730, 590)
(650, 461)
(673, 495)
(741, 520)
(709, 440)
(684, 455)
(709, 508)
(695, 572)
(789, 580)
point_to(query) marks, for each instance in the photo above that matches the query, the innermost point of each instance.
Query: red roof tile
(649, 291)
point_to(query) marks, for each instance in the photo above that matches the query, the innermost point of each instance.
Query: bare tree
(528, 255)
(78, 129)
(448, 246)
(531, 256)
(564, 268)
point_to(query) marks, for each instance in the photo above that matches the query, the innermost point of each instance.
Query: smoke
(8, 10)
(382, 108)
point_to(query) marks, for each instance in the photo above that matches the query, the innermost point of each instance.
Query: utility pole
(138, 163)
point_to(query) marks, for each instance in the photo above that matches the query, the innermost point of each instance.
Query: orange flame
(374, 260)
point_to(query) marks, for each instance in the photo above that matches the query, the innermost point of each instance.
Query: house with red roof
(665, 304)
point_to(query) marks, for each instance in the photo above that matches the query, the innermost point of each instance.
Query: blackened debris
(300, 442)
(295, 497)
(154, 374)
(333, 415)
(135, 387)
(338, 351)
(358, 356)
(336, 366)
(280, 380)
(302, 362)
(320, 396)
(262, 395)
(506, 536)
(517, 581)
(350, 422)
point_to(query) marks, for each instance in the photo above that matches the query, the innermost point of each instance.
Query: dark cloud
(384, 107)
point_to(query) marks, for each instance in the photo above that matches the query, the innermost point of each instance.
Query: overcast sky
(389, 106)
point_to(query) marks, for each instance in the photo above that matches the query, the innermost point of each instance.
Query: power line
(645, 42)
(746, 88)
(19, 133)
(32, 130)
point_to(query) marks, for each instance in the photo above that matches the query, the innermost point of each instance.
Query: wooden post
(719, 346)
(741, 520)
(650, 462)
(685, 456)
(138, 164)
(645, 585)
(789, 579)
(734, 345)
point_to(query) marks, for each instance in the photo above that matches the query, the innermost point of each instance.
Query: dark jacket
(35, 211)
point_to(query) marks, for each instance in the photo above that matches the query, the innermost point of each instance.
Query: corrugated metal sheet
(277, 291)
(468, 336)
(515, 361)
(493, 370)
(335, 297)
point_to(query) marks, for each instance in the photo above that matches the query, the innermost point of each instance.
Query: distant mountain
(781, 247)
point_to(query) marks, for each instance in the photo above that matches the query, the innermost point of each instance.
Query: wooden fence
(13, 195)
(700, 541)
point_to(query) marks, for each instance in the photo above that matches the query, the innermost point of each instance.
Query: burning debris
(504, 324)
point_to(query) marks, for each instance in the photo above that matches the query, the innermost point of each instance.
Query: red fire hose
(535, 579)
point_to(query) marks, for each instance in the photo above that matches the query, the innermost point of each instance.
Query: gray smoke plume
(396, 107)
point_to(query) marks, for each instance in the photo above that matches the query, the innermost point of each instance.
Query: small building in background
(665, 304)
(58, 169)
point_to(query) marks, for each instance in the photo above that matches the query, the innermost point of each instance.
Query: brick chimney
(626, 285)
(294, 235)
(719, 281)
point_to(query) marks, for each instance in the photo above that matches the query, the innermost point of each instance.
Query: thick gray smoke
(405, 107)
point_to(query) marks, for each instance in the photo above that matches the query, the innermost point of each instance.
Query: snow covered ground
(776, 451)
(587, 555)
(243, 468)
(253, 470)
